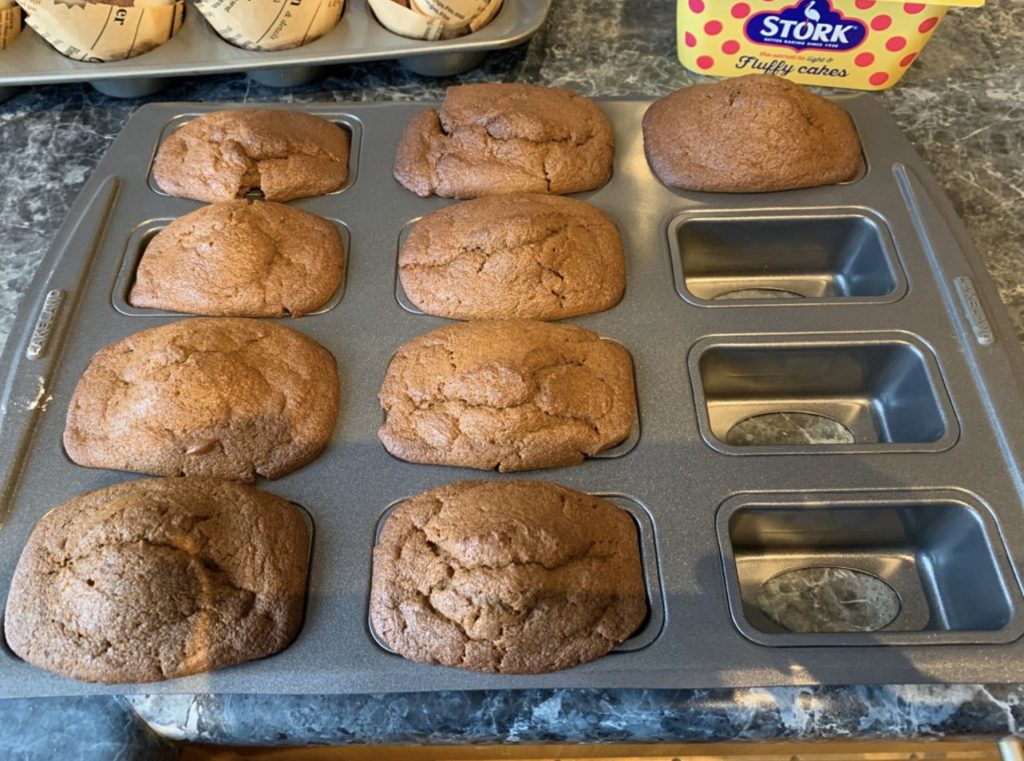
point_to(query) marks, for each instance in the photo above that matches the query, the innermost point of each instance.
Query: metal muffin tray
(898, 335)
(198, 49)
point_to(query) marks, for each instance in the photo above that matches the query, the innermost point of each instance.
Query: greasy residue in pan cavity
(807, 600)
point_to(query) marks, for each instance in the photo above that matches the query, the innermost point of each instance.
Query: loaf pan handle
(36, 340)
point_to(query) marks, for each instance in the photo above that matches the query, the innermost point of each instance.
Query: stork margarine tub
(861, 44)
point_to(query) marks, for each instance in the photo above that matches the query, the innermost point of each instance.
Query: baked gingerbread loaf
(157, 579)
(225, 154)
(208, 396)
(513, 577)
(506, 138)
(241, 259)
(751, 134)
(524, 255)
(507, 394)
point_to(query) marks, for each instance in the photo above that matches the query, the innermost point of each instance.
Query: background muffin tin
(898, 335)
(198, 49)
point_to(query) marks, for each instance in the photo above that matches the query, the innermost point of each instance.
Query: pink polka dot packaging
(858, 44)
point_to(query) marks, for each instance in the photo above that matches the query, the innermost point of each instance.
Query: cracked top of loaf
(514, 577)
(225, 154)
(520, 255)
(241, 259)
(507, 394)
(506, 138)
(157, 579)
(208, 396)
(750, 134)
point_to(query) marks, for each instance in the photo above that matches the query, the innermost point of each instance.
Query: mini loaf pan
(304, 514)
(937, 551)
(621, 449)
(651, 627)
(871, 424)
(139, 239)
(816, 256)
(198, 49)
(882, 393)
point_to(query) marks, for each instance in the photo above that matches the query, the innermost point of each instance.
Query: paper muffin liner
(97, 31)
(10, 22)
(271, 25)
(434, 19)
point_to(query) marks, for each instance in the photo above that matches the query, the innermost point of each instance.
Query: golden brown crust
(225, 154)
(241, 259)
(157, 579)
(223, 397)
(506, 138)
(514, 577)
(507, 394)
(520, 255)
(751, 134)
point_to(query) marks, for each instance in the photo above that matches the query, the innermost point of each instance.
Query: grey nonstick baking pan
(198, 49)
(868, 419)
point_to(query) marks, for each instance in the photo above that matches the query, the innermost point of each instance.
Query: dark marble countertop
(962, 105)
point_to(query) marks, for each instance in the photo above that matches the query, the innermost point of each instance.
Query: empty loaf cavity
(223, 397)
(157, 579)
(520, 255)
(751, 134)
(506, 138)
(241, 259)
(513, 577)
(225, 154)
(507, 394)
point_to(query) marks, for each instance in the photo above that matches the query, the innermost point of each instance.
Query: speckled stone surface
(77, 729)
(592, 715)
(962, 106)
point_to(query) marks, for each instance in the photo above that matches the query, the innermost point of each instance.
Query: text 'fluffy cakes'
(241, 259)
(524, 255)
(225, 154)
(222, 397)
(752, 134)
(157, 579)
(507, 394)
(512, 577)
(506, 138)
